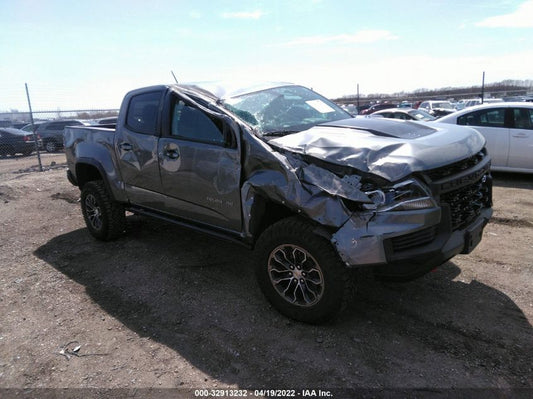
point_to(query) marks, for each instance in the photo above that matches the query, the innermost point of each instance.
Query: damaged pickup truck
(286, 172)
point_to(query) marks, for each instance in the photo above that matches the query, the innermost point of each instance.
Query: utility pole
(483, 88)
(33, 130)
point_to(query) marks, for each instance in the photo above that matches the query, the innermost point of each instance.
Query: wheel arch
(87, 171)
(90, 169)
(265, 212)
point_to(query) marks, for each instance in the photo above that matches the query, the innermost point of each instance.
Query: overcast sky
(78, 54)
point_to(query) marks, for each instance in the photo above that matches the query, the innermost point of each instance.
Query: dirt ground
(163, 307)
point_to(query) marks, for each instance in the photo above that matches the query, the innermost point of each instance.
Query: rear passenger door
(200, 165)
(521, 139)
(136, 148)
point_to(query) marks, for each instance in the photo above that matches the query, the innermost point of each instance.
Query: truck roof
(226, 89)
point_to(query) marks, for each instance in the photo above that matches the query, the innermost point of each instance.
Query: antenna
(172, 72)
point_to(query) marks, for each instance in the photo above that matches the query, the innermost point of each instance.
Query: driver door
(200, 166)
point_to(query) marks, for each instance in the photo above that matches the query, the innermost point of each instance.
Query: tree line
(504, 88)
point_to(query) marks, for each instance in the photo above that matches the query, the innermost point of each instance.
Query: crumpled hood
(387, 148)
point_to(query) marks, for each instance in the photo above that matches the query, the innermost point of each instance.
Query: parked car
(281, 169)
(16, 141)
(508, 129)
(29, 127)
(459, 105)
(350, 108)
(518, 98)
(51, 132)
(406, 114)
(18, 125)
(376, 107)
(472, 102)
(437, 108)
(405, 104)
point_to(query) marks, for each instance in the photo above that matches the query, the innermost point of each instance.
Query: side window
(192, 124)
(494, 117)
(523, 118)
(470, 119)
(399, 115)
(143, 111)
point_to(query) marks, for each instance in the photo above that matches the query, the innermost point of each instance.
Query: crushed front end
(420, 223)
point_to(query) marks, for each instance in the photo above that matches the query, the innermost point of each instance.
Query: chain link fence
(26, 139)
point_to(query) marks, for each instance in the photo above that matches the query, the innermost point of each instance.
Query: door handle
(172, 154)
(521, 135)
(125, 146)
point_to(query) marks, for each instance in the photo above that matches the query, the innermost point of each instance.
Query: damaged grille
(466, 203)
(415, 239)
(457, 167)
(465, 186)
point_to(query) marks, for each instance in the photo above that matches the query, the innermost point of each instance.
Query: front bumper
(422, 240)
(406, 245)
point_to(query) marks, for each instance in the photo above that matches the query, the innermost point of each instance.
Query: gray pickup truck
(281, 169)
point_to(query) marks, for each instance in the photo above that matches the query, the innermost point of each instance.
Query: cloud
(521, 18)
(363, 36)
(243, 14)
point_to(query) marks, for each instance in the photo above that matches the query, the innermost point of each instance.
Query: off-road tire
(104, 217)
(309, 264)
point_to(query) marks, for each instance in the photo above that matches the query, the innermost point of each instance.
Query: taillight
(26, 138)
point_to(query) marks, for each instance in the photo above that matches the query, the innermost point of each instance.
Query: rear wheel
(51, 146)
(104, 217)
(300, 273)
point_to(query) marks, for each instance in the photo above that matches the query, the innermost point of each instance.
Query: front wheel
(104, 217)
(300, 273)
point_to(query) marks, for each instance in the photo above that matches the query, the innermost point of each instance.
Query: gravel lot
(163, 307)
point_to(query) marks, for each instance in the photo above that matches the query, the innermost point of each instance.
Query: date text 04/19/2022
(260, 393)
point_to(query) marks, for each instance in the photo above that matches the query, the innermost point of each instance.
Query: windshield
(283, 110)
(421, 115)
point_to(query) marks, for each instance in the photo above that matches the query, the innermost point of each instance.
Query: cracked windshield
(283, 110)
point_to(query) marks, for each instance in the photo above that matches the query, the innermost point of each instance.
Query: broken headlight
(407, 195)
